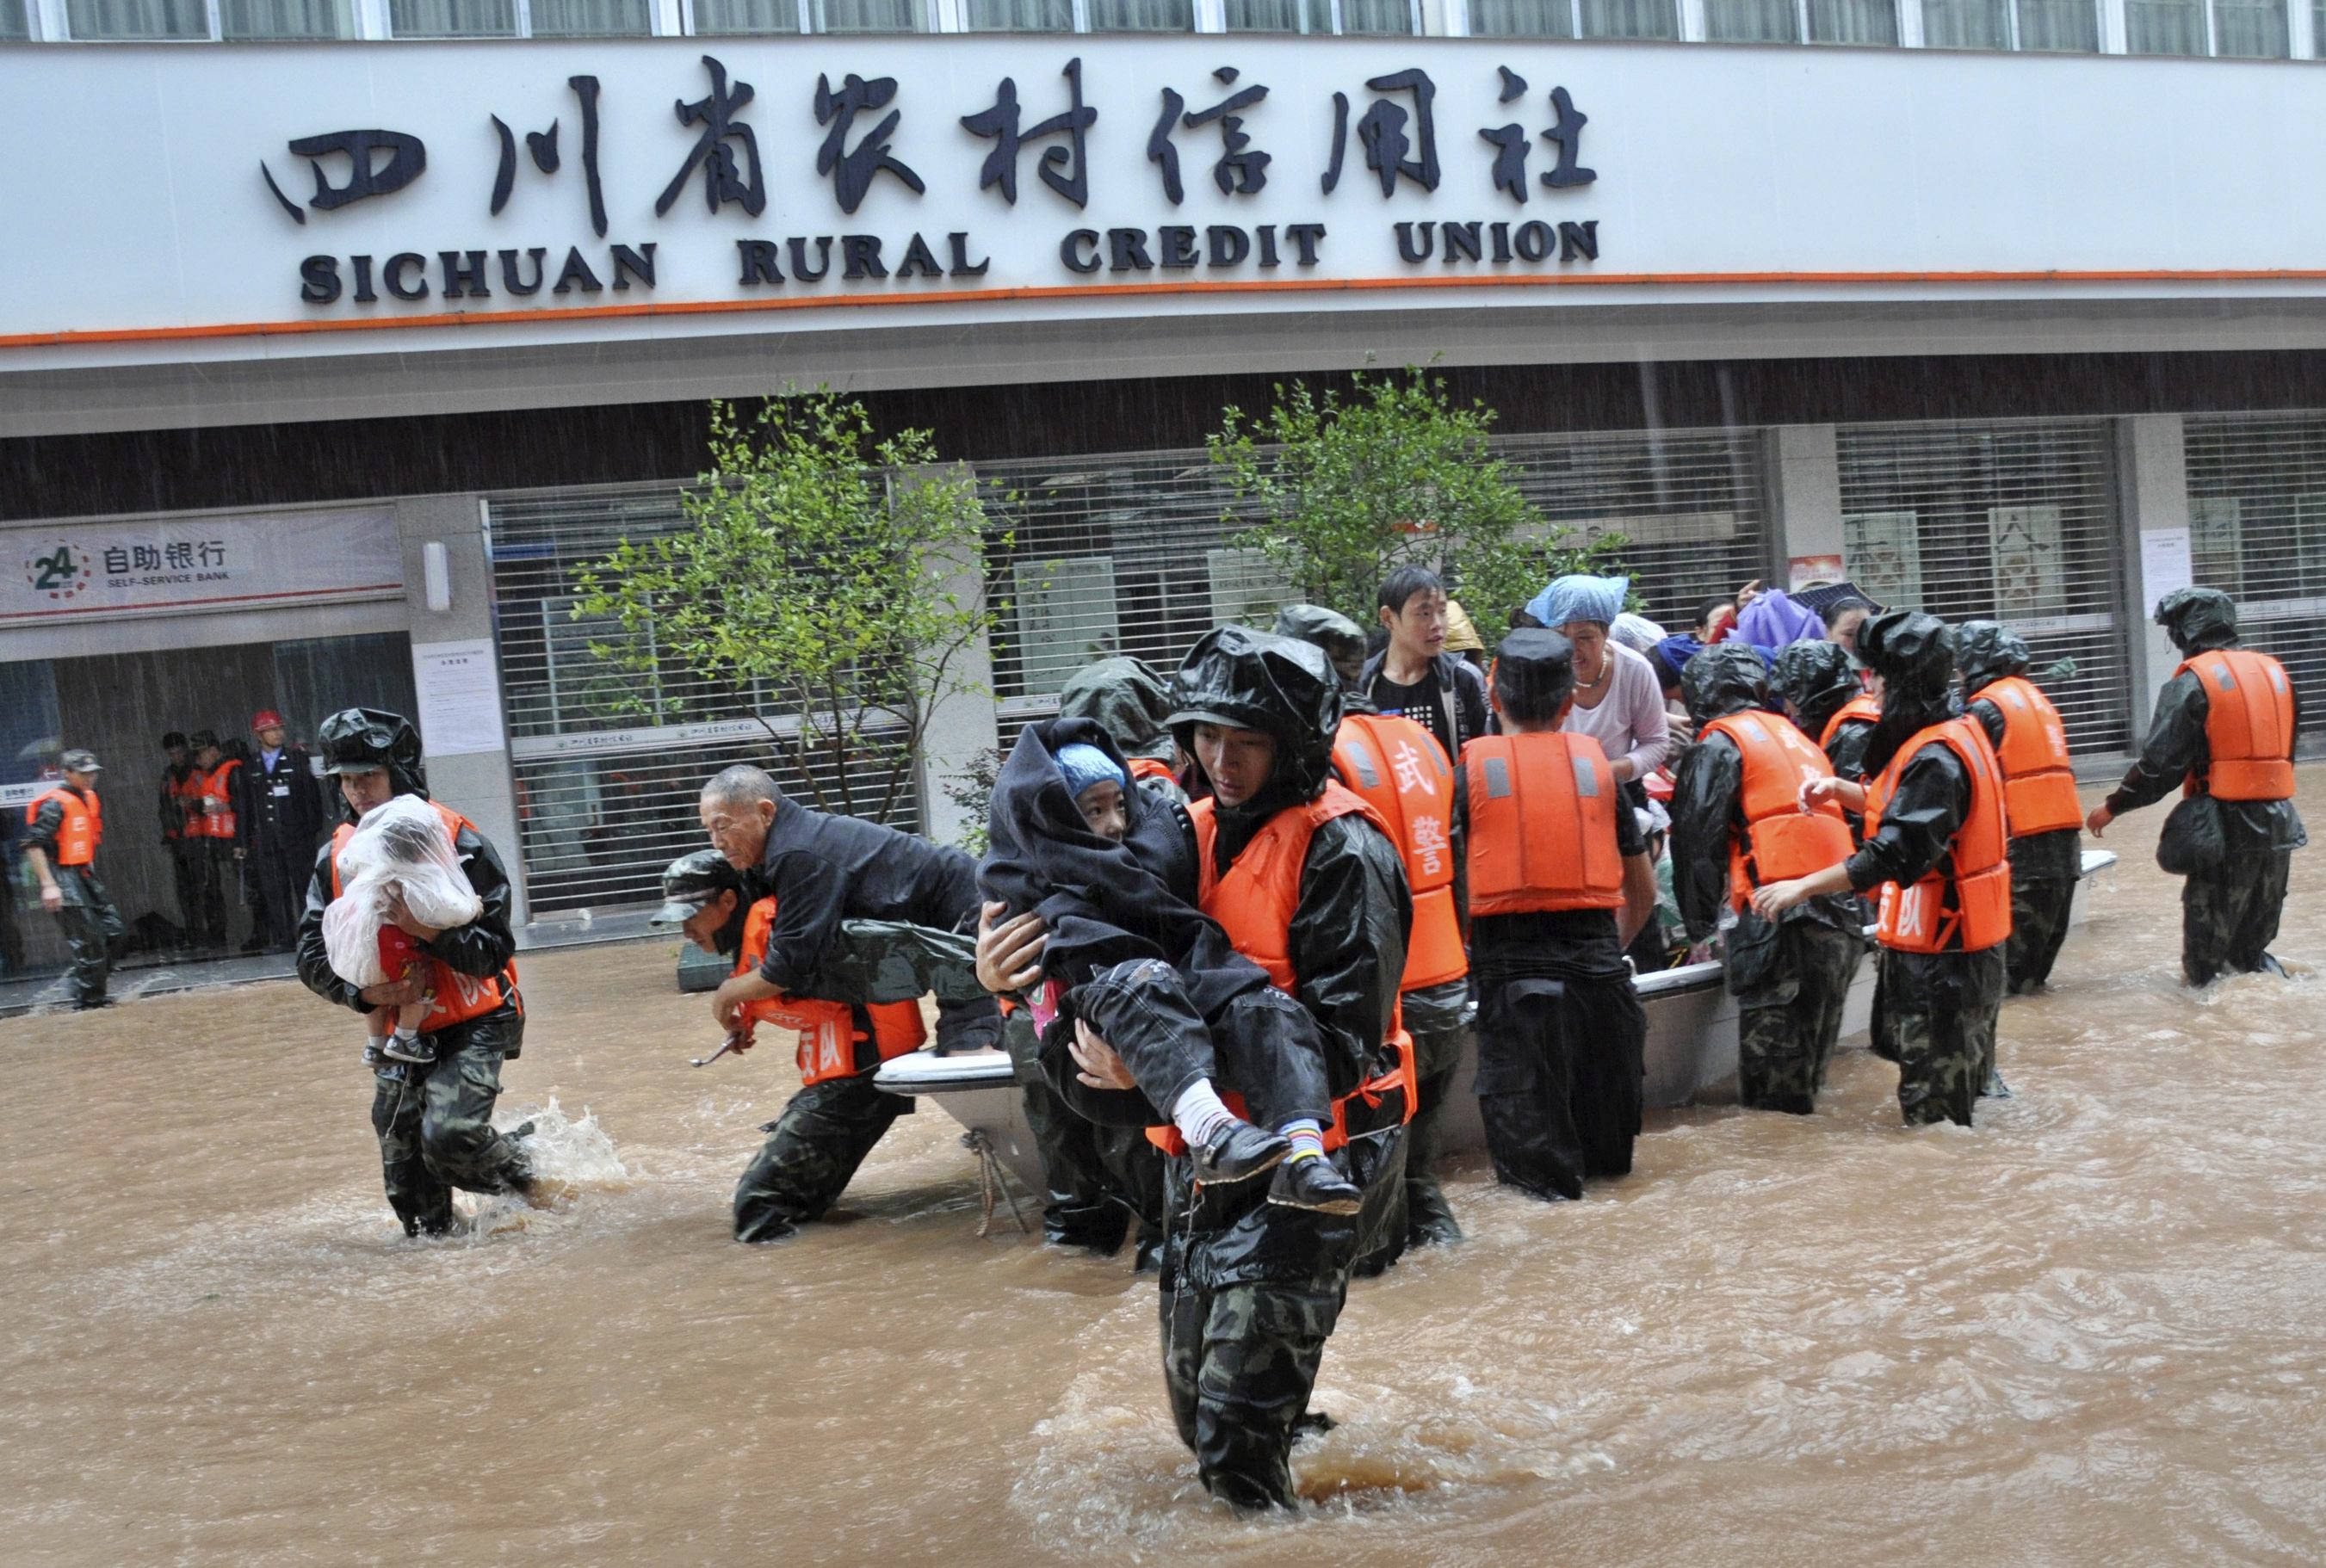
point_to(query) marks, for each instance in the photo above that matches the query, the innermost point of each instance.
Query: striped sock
(1307, 1139)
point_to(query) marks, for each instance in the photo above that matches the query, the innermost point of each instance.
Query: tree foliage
(1336, 491)
(830, 582)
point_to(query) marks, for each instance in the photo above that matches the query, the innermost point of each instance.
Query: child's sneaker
(402, 1047)
(1313, 1184)
(371, 1056)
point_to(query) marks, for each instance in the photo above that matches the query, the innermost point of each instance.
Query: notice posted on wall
(460, 691)
(2166, 561)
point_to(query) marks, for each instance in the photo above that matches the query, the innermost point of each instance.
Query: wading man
(1301, 875)
(2224, 733)
(434, 1119)
(819, 870)
(1937, 847)
(1559, 884)
(63, 827)
(1737, 823)
(2039, 795)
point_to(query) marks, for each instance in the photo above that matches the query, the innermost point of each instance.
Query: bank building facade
(336, 334)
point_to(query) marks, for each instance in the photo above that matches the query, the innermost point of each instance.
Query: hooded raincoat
(2044, 866)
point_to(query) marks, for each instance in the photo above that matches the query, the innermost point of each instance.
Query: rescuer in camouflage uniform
(2236, 855)
(1791, 976)
(434, 1120)
(70, 887)
(2044, 866)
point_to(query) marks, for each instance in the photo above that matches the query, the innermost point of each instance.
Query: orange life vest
(1400, 771)
(2248, 726)
(1254, 901)
(1542, 824)
(1863, 709)
(1779, 841)
(181, 794)
(2039, 788)
(454, 998)
(1143, 768)
(82, 831)
(828, 1034)
(1965, 908)
(216, 787)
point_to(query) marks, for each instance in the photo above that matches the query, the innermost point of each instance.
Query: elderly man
(819, 870)
(436, 1118)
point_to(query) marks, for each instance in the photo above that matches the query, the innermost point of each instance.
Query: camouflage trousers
(2228, 918)
(2039, 924)
(1941, 1011)
(812, 1151)
(1437, 1058)
(1561, 1079)
(435, 1125)
(1240, 1362)
(91, 926)
(1786, 1030)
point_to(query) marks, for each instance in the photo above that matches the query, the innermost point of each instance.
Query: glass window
(1528, 18)
(137, 19)
(592, 18)
(868, 15)
(2250, 29)
(717, 17)
(14, 27)
(1751, 22)
(1142, 15)
(1631, 19)
(2164, 26)
(453, 18)
(2070, 25)
(1967, 24)
(1855, 21)
(1280, 16)
(1376, 16)
(1018, 15)
(265, 21)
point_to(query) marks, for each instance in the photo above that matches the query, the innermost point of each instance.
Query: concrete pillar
(456, 670)
(962, 724)
(2153, 485)
(1804, 496)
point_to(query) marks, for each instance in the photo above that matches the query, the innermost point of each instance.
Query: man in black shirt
(1414, 677)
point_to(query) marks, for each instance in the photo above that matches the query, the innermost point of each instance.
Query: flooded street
(2093, 1330)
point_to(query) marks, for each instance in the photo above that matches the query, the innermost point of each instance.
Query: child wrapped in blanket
(1067, 830)
(400, 857)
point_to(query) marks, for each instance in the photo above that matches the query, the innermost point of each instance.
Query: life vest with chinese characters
(1964, 904)
(1779, 841)
(2039, 788)
(1542, 824)
(83, 829)
(1400, 770)
(454, 998)
(216, 791)
(1860, 709)
(2248, 726)
(828, 1032)
(1254, 901)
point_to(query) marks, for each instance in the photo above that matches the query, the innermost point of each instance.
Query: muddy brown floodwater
(2092, 1330)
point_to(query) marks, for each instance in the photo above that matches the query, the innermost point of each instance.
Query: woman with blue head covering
(1619, 701)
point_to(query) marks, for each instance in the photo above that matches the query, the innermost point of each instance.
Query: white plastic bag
(404, 844)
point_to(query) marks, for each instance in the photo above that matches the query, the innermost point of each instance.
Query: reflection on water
(2088, 1331)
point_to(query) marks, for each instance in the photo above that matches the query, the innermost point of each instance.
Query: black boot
(1314, 1183)
(1238, 1152)
(1429, 1219)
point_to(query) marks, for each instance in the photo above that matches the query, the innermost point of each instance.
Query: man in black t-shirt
(1414, 677)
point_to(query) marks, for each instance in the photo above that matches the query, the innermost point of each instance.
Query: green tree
(1337, 491)
(832, 580)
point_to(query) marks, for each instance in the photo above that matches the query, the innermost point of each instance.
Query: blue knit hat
(1085, 765)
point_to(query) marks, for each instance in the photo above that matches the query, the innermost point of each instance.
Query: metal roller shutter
(608, 764)
(2008, 522)
(2257, 532)
(1688, 503)
(1129, 554)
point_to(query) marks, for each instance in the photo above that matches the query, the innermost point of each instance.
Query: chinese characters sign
(82, 571)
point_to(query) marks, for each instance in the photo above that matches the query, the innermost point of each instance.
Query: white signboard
(1066, 618)
(460, 690)
(2216, 544)
(169, 203)
(2164, 563)
(51, 573)
(1884, 552)
(2024, 544)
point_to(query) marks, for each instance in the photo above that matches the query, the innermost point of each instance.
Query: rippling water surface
(2093, 1330)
